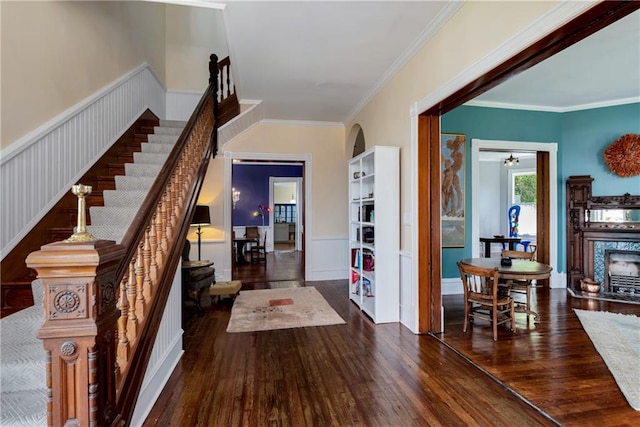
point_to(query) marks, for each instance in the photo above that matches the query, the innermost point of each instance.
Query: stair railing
(228, 100)
(104, 302)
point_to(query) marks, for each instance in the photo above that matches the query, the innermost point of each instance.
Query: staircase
(104, 302)
(111, 221)
(58, 224)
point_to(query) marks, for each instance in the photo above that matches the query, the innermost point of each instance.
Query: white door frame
(552, 149)
(299, 206)
(305, 158)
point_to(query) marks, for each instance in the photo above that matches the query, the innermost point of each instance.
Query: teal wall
(585, 136)
(582, 137)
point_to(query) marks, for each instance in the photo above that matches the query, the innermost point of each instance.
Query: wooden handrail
(228, 100)
(104, 302)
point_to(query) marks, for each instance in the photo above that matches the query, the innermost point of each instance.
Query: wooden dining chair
(251, 233)
(481, 298)
(259, 251)
(520, 286)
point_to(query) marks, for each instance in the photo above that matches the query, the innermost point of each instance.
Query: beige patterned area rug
(267, 309)
(617, 339)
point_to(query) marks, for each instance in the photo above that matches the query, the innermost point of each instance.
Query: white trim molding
(554, 18)
(552, 149)
(240, 124)
(306, 159)
(434, 26)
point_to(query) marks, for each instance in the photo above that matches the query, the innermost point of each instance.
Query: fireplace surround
(622, 271)
(597, 226)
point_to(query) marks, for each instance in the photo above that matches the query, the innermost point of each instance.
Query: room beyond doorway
(280, 266)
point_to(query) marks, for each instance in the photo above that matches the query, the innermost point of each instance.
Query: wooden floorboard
(553, 363)
(363, 374)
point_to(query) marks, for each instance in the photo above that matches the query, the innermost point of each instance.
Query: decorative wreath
(623, 156)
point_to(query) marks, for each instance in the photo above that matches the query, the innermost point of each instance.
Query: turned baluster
(164, 224)
(159, 252)
(132, 324)
(140, 301)
(149, 276)
(123, 340)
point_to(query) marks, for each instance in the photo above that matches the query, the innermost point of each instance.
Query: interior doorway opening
(256, 209)
(287, 213)
(507, 200)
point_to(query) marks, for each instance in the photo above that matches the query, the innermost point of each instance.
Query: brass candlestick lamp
(80, 233)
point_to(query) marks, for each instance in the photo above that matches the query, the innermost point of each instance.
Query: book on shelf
(355, 283)
(367, 290)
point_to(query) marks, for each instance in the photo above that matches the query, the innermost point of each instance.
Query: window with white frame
(523, 192)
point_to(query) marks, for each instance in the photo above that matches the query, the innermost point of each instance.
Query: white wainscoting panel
(240, 123)
(181, 105)
(37, 170)
(166, 353)
(217, 251)
(329, 259)
(408, 293)
(452, 286)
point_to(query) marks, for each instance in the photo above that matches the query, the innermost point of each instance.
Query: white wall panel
(37, 170)
(329, 259)
(181, 105)
(166, 353)
(408, 293)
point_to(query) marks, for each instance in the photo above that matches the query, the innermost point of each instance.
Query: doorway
(279, 266)
(287, 213)
(546, 216)
(427, 147)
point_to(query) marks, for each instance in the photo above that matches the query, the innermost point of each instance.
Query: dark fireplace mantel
(587, 239)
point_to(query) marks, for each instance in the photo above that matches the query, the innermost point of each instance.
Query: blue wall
(582, 137)
(252, 180)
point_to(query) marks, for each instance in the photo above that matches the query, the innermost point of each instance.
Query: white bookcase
(374, 233)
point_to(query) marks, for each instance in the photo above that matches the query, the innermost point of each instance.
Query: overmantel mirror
(621, 212)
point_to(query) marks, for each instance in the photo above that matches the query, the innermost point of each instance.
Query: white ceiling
(601, 70)
(322, 60)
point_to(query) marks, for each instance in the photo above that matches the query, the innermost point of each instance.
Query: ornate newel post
(80, 323)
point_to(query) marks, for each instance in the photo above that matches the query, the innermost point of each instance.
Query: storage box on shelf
(374, 227)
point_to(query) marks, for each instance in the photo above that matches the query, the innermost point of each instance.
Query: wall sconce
(293, 199)
(200, 217)
(510, 161)
(235, 196)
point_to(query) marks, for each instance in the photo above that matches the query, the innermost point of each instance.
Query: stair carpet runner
(111, 221)
(23, 392)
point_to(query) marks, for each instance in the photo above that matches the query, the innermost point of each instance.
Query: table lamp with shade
(200, 217)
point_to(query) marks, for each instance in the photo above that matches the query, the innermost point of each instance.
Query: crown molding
(434, 26)
(544, 108)
(546, 23)
(301, 123)
(194, 3)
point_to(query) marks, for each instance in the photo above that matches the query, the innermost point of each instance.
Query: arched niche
(356, 140)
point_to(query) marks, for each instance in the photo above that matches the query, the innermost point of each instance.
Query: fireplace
(622, 271)
(594, 233)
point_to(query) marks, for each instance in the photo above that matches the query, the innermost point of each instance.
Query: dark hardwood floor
(383, 375)
(553, 363)
(281, 265)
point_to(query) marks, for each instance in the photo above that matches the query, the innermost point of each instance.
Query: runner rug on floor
(617, 339)
(266, 309)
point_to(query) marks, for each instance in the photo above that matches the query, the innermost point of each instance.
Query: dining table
(238, 245)
(520, 269)
(511, 241)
